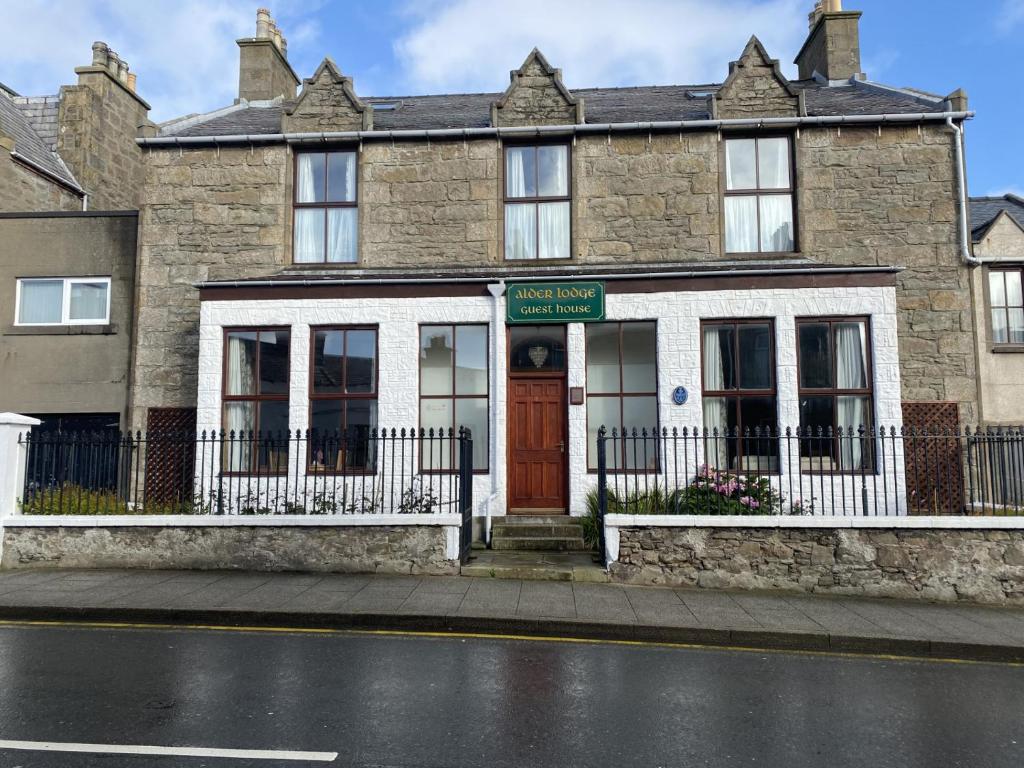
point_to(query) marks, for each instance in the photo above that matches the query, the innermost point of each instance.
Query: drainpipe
(497, 290)
(965, 246)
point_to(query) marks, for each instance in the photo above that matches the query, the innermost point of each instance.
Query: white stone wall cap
(923, 522)
(214, 521)
(16, 419)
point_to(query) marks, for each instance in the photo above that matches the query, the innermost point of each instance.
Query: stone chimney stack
(832, 48)
(263, 69)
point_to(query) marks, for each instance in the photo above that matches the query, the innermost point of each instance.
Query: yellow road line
(489, 636)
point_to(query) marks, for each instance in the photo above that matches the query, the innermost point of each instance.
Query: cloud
(1007, 190)
(182, 50)
(471, 44)
(1010, 16)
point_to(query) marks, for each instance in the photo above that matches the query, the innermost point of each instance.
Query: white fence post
(13, 460)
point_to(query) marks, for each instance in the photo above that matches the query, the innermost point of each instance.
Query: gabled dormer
(756, 87)
(328, 102)
(536, 96)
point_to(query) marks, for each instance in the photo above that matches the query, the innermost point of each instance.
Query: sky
(184, 54)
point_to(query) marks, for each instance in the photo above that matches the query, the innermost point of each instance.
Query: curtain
(520, 228)
(238, 416)
(515, 172)
(552, 164)
(716, 414)
(851, 373)
(341, 235)
(309, 235)
(776, 223)
(305, 191)
(554, 230)
(741, 224)
(88, 301)
(773, 163)
(41, 301)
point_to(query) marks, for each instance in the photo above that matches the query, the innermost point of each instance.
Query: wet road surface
(405, 700)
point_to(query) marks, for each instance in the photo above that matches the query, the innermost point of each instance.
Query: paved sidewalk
(569, 609)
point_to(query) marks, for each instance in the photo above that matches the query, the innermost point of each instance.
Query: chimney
(263, 69)
(832, 48)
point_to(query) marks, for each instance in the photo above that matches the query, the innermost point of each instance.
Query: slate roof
(602, 105)
(29, 144)
(984, 211)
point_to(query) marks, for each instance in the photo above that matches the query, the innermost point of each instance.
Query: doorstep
(535, 566)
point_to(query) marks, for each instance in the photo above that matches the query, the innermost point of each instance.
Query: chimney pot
(131, 81)
(284, 46)
(99, 54)
(122, 71)
(277, 37)
(263, 23)
(113, 63)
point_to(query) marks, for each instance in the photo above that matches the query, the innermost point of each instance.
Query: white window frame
(65, 310)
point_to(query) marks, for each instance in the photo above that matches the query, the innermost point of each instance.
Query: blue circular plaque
(679, 395)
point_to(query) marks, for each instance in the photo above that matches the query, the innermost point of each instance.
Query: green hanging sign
(555, 302)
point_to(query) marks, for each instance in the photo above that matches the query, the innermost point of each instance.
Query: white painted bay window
(63, 301)
(537, 202)
(326, 209)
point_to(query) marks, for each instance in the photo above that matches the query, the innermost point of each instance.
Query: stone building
(745, 254)
(70, 180)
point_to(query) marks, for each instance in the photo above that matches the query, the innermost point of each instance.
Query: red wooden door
(537, 446)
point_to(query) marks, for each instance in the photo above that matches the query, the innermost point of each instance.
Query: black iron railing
(865, 471)
(357, 472)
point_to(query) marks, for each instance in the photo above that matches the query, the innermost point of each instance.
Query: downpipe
(497, 290)
(965, 246)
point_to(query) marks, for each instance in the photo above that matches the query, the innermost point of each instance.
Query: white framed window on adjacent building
(62, 301)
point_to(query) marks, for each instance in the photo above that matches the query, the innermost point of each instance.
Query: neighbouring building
(70, 180)
(997, 232)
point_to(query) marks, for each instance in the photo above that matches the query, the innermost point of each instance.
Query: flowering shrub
(713, 492)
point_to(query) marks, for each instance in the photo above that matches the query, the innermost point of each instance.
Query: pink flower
(749, 501)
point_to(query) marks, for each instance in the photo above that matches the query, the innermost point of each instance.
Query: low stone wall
(981, 565)
(419, 549)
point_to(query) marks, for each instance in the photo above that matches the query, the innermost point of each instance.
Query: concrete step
(539, 544)
(533, 520)
(536, 530)
(535, 566)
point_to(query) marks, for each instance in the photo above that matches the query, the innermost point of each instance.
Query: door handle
(561, 446)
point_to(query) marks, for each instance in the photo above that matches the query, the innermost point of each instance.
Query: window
(536, 349)
(537, 202)
(1007, 302)
(343, 399)
(63, 301)
(834, 372)
(453, 390)
(738, 369)
(758, 195)
(622, 388)
(326, 212)
(256, 400)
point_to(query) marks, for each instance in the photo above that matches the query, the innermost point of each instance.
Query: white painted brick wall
(678, 316)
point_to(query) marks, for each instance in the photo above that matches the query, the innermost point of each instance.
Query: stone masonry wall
(978, 565)
(22, 189)
(205, 215)
(356, 549)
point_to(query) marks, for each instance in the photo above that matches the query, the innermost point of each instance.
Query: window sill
(535, 262)
(1007, 349)
(61, 330)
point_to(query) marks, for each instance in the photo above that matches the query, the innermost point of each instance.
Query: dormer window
(326, 212)
(759, 196)
(537, 202)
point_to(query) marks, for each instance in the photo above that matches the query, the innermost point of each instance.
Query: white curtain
(776, 223)
(773, 163)
(41, 301)
(88, 301)
(520, 230)
(741, 224)
(716, 415)
(515, 172)
(554, 230)
(851, 373)
(309, 235)
(305, 187)
(238, 416)
(341, 235)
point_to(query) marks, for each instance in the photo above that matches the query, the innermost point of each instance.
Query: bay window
(739, 400)
(758, 195)
(325, 208)
(255, 398)
(834, 373)
(537, 202)
(622, 391)
(343, 399)
(63, 301)
(453, 392)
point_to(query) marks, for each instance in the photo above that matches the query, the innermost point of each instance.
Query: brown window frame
(836, 392)
(453, 396)
(1002, 346)
(257, 398)
(314, 396)
(757, 192)
(739, 393)
(537, 200)
(324, 205)
(621, 395)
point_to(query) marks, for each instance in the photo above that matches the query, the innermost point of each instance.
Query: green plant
(591, 522)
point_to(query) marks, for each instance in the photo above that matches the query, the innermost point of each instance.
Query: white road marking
(131, 749)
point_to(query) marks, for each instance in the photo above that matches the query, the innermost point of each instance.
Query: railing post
(13, 460)
(465, 492)
(602, 490)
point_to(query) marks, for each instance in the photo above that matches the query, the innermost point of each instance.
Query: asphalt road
(399, 700)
